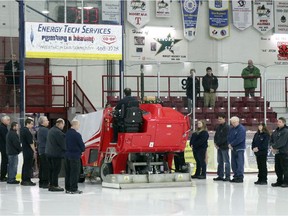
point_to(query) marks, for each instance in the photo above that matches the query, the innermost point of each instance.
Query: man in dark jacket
(190, 89)
(13, 148)
(74, 148)
(121, 106)
(11, 71)
(279, 146)
(55, 150)
(236, 142)
(28, 152)
(5, 121)
(210, 85)
(42, 134)
(220, 142)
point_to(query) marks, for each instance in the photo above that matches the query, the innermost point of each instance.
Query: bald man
(237, 144)
(74, 148)
(250, 74)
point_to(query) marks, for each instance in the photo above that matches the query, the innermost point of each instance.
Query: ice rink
(206, 197)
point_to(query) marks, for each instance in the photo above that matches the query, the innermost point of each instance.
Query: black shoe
(76, 192)
(257, 182)
(194, 176)
(218, 179)
(3, 179)
(67, 191)
(236, 180)
(201, 177)
(262, 183)
(277, 184)
(13, 182)
(44, 186)
(55, 189)
(284, 185)
(226, 179)
(28, 183)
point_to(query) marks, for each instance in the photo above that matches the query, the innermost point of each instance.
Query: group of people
(52, 145)
(250, 74)
(233, 138)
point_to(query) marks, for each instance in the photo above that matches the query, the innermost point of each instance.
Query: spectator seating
(112, 100)
(166, 102)
(209, 112)
(244, 112)
(177, 101)
(249, 109)
(249, 101)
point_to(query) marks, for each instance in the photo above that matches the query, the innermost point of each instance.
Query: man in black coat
(11, 71)
(210, 85)
(28, 152)
(5, 121)
(55, 150)
(13, 147)
(190, 89)
(221, 144)
(279, 146)
(121, 106)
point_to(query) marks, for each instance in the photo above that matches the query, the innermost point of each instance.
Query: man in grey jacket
(42, 134)
(55, 150)
(279, 146)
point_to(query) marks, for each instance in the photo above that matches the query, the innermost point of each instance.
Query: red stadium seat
(244, 112)
(220, 110)
(113, 100)
(177, 101)
(209, 112)
(249, 101)
(166, 102)
(183, 110)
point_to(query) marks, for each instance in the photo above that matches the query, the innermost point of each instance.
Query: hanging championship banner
(219, 19)
(281, 17)
(190, 14)
(138, 12)
(161, 44)
(263, 15)
(111, 11)
(242, 14)
(163, 8)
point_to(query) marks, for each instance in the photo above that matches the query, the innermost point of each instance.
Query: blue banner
(190, 14)
(218, 19)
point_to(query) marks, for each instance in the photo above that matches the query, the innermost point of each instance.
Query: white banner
(82, 41)
(242, 14)
(219, 19)
(111, 11)
(263, 15)
(281, 17)
(138, 13)
(163, 8)
(157, 44)
(274, 49)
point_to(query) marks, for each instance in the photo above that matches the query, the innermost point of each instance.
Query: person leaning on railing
(11, 72)
(250, 74)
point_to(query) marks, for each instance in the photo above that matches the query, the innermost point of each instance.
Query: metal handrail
(80, 99)
(169, 80)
